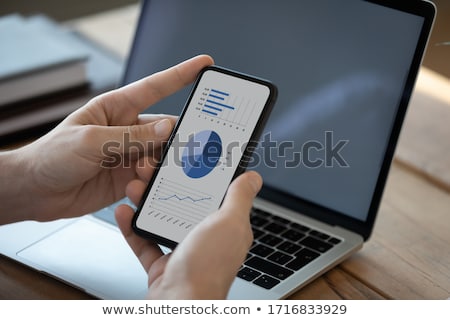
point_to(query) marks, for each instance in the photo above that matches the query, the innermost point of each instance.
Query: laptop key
(280, 220)
(270, 240)
(266, 282)
(275, 228)
(300, 227)
(261, 212)
(258, 221)
(334, 240)
(248, 274)
(303, 257)
(316, 244)
(289, 247)
(319, 235)
(261, 250)
(279, 257)
(257, 233)
(293, 235)
(269, 267)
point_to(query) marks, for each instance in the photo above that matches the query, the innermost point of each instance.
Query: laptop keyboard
(280, 248)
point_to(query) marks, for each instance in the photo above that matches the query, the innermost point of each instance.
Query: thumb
(241, 192)
(134, 138)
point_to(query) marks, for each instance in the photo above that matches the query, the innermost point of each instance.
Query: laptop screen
(341, 68)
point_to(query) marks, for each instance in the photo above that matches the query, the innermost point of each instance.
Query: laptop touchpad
(93, 256)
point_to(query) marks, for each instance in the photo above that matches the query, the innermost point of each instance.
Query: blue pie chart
(201, 154)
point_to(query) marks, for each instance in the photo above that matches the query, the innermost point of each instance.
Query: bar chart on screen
(225, 109)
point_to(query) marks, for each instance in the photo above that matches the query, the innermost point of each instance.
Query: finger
(157, 269)
(147, 252)
(124, 104)
(134, 190)
(241, 193)
(128, 139)
(145, 166)
(149, 118)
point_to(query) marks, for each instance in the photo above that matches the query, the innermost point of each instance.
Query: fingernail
(162, 128)
(255, 181)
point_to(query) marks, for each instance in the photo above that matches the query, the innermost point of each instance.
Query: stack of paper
(36, 61)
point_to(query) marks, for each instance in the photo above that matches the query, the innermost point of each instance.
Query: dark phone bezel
(267, 109)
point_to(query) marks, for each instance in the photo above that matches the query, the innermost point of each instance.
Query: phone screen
(223, 113)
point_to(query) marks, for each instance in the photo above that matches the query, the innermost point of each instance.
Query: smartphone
(209, 146)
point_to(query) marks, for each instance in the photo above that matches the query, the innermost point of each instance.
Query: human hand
(68, 172)
(205, 263)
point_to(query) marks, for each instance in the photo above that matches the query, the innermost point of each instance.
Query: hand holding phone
(224, 114)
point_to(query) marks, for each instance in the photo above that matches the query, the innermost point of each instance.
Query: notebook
(35, 61)
(345, 72)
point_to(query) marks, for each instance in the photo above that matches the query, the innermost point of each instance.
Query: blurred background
(437, 57)
(61, 10)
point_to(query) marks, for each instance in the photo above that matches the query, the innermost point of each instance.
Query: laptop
(345, 71)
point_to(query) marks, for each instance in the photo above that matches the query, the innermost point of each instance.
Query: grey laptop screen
(340, 67)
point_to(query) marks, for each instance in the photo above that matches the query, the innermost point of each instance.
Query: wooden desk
(408, 256)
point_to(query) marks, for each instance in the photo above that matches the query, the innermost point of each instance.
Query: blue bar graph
(209, 112)
(225, 107)
(214, 102)
(220, 92)
(211, 107)
(220, 104)
(216, 97)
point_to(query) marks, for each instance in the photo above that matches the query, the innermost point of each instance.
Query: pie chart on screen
(201, 154)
